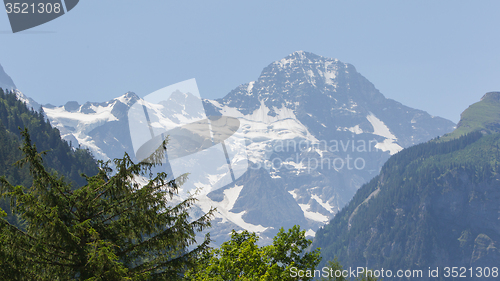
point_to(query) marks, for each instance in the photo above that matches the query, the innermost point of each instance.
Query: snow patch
(310, 233)
(250, 87)
(356, 129)
(315, 216)
(20, 96)
(389, 145)
(380, 129)
(325, 205)
(224, 207)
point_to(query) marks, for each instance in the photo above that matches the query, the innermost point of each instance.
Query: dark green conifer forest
(424, 209)
(69, 162)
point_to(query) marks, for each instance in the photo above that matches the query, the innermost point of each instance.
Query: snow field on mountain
(379, 128)
(224, 209)
(262, 130)
(315, 216)
(278, 128)
(78, 124)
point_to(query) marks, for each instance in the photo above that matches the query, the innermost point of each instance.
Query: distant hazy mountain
(315, 131)
(334, 111)
(433, 205)
(101, 127)
(6, 82)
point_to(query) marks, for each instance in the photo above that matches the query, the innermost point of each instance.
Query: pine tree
(113, 228)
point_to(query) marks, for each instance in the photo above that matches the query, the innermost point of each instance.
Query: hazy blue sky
(439, 56)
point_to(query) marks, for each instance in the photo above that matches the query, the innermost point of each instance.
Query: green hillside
(433, 204)
(483, 115)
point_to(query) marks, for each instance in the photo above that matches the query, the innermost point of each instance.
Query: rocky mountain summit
(320, 130)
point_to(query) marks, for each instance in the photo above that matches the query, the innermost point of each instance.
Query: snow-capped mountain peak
(316, 70)
(314, 128)
(98, 126)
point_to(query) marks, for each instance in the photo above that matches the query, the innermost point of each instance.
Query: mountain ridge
(481, 115)
(433, 204)
(6, 83)
(310, 122)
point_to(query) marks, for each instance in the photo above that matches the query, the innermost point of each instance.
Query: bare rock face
(486, 252)
(468, 214)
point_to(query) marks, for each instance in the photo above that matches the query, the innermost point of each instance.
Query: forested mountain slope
(61, 157)
(435, 204)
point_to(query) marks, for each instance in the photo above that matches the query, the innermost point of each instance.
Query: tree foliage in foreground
(241, 258)
(110, 229)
